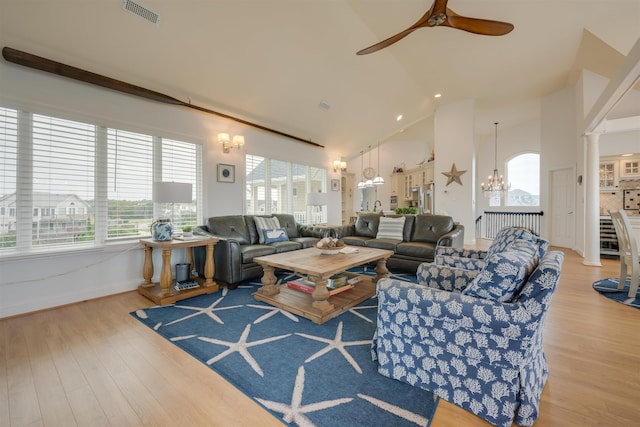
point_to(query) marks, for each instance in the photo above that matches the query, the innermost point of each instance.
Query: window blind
(63, 170)
(65, 182)
(8, 164)
(178, 165)
(130, 177)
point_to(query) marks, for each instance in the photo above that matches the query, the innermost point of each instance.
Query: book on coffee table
(308, 287)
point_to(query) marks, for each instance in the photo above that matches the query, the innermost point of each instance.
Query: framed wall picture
(335, 185)
(226, 173)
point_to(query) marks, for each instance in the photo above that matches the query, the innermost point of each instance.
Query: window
(523, 173)
(65, 183)
(288, 185)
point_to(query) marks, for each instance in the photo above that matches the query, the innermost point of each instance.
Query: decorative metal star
(454, 175)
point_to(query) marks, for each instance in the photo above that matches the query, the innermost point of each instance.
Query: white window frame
(24, 208)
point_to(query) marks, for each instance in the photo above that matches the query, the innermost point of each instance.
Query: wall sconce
(338, 164)
(223, 138)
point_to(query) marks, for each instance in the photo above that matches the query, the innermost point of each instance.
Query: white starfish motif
(295, 411)
(396, 410)
(355, 311)
(338, 344)
(272, 311)
(209, 311)
(241, 347)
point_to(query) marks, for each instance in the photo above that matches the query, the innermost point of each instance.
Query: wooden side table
(164, 292)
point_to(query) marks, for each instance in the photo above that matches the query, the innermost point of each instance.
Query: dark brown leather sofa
(239, 245)
(420, 236)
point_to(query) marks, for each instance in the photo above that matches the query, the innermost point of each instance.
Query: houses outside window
(66, 183)
(523, 173)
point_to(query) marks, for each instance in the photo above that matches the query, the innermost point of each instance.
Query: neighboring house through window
(523, 173)
(64, 182)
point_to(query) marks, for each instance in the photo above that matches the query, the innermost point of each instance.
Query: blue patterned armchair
(481, 354)
(474, 259)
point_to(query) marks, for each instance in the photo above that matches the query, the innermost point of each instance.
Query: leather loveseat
(412, 238)
(240, 243)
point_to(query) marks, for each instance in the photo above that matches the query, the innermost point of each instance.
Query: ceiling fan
(440, 15)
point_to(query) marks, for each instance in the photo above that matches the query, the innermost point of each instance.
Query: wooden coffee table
(319, 307)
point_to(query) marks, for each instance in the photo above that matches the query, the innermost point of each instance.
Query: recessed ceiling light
(437, 95)
(399, 117)
(627, 155)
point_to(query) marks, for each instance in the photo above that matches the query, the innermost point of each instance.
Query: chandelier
(496, 184)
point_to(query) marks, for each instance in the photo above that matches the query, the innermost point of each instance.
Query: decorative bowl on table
(330, 245)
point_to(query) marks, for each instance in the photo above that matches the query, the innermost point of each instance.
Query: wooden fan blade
(478, 26)
(387, 42)
(438, 6)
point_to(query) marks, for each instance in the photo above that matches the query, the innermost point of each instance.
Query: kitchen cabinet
(419, 176)
(396, 181)
(630, 168)
(608, 175)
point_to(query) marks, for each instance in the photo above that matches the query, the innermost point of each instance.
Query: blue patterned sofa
(478, 352)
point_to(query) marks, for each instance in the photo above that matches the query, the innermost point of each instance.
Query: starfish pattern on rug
(209, 311)
(396, 410)
(337, 344)
(241, 347)
(355, 311)
(295, 411)
(272, 311)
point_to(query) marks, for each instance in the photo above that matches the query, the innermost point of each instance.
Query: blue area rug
(609, 288)
(303, 373)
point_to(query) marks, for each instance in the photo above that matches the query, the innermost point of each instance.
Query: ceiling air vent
(138, 9)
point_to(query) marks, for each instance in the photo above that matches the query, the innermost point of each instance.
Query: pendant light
(369, 173)
(378, 180)
(496, 184)
(361, 184)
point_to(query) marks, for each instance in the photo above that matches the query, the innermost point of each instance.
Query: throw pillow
(275, 235)
(265, 223)
(505, 273)
(390, 228)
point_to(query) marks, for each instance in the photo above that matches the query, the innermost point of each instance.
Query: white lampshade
(238, 140)
(172, 192)
(223, 138)
(317, 199)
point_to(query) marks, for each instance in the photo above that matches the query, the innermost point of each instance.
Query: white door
(563, 217)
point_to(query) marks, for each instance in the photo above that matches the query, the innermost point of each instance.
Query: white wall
(455, 144)
(557, 145)
(30, 283)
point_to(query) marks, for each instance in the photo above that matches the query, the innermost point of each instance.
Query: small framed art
(226, 173)
(335, 185)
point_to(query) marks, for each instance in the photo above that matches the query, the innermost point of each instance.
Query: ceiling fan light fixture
(440, 15)
(437, 19)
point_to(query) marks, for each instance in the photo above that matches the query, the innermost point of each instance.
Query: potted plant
(187, 231)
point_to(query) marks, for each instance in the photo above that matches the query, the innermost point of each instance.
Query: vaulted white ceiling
(274, 61)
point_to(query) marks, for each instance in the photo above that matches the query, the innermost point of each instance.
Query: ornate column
(592, 202)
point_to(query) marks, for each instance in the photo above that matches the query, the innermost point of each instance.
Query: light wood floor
(92, 364)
